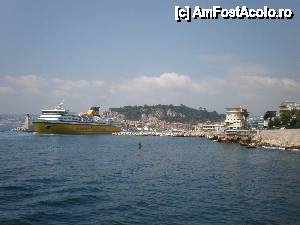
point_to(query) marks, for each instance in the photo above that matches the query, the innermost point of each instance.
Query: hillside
(169, 113)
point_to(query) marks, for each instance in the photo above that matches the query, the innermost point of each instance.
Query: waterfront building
(236, 118)
(288, 106)
(214, 127)
(256, 123)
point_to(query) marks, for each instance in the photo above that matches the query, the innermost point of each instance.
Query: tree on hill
(170, 113)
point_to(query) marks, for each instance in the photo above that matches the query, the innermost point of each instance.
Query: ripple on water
(109, 180)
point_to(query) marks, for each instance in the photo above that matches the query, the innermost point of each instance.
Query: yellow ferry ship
(61, 121)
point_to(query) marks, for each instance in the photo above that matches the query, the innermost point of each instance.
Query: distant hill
(11, 119)
(169, 113)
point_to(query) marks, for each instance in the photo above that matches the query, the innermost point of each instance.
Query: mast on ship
(60, 105)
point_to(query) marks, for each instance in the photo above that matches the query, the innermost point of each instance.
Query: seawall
(286, 139)
(278, 138)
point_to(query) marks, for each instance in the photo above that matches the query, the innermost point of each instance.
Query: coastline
(271, 139)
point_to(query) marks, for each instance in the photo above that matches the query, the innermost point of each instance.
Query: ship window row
(54, 113)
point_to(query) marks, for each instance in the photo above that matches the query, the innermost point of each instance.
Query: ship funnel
(93, 111)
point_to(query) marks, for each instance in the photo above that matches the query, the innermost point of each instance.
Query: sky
(131, 52)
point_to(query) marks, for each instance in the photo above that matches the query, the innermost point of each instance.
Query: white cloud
(63, 88)
(267, 82)
(70, 84)
(249, 69)
(37, 85)
(31, 84)
(32, 92)
(256, 91)
(97, 83)
(6, 90)
(166, 82)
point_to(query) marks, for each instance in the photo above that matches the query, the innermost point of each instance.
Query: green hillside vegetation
(170, 113)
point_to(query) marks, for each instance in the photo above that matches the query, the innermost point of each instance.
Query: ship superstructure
(60, 121)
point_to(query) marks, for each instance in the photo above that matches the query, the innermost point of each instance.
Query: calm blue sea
(103, 179)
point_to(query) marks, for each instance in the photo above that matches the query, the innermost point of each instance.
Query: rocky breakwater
(241, 139)
(279, 139)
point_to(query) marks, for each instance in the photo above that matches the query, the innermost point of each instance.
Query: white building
(288, 106)
(256, 123)
(236, 118)
(214, 127)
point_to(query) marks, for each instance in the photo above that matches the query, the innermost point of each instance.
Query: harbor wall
(286, 139)
(279, 138)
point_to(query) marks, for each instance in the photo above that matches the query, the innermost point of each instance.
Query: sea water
(104, 179)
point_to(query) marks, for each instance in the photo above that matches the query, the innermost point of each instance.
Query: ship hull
(68, 128)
